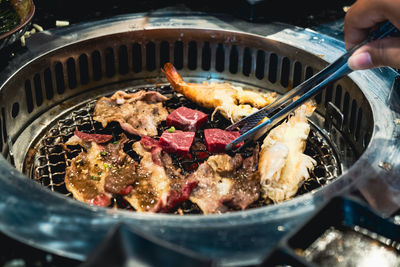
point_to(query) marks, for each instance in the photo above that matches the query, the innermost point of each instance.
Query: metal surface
(69, 66)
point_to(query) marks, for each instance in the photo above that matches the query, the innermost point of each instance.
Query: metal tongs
(252, 127)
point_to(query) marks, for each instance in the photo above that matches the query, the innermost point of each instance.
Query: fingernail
(360, 61)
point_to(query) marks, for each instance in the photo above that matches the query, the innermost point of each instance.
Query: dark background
(304, 13)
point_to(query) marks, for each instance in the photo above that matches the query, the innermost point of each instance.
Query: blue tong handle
(307, 89)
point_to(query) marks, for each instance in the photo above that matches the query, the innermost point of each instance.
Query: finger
(385, 52)
(361, 17)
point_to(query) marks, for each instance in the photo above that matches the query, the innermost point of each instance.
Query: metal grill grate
(53, 156)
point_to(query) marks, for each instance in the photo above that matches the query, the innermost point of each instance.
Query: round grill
(52, 88)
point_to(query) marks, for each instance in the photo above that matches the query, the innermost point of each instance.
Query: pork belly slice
(159, 186)
(187, 119)
(226, 182)
(217, 139)
(99, 172)
(138, 113)
(178, 142)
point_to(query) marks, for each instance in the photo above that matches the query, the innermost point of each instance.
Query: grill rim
(302, 205)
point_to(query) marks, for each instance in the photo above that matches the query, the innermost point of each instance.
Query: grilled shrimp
(232, 102)
(282, 165)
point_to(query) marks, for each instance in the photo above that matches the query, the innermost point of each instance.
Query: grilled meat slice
(138, 113)
(159, 186)
(226, 182)
(100, 171)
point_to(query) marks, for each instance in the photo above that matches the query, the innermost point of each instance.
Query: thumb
(385, 52)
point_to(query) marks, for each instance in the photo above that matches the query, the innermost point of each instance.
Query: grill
(50, 158)
(51, 91)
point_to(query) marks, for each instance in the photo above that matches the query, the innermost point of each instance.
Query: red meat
(98, 138)
(153, 146)
(173, 198)
(101, 200)
(217, 139)
(178, 142)
(187, 119)
(148, 142)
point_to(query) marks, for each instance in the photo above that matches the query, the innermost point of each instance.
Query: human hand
(363, 16)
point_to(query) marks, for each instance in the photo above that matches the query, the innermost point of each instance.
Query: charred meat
(138, 113)
(159, 186)
(99, 171)
(226, 182)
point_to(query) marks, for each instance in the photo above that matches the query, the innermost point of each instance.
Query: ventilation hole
(71, 71)
(192, 55)
(206, 56)
(3, 115)
(234, 60)
(309, 72)
(285, 72)
(353, 116)
(260, 64)
(29, 98)
(220, 58)
(48, 84)
(150, 56)
(136, 58)
(60, 83)
(123, 59)
(164, 53)
(83, 69)
(297, 74)
(96, 65)
(178, 55)
(346, 102)
(338, 96)
(358, 127)
(38, 90)
(110, 62)
(15, 110)
(247, 61)
(273, 68)
(328, 94)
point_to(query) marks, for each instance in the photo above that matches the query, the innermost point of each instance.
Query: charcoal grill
(49, 91)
